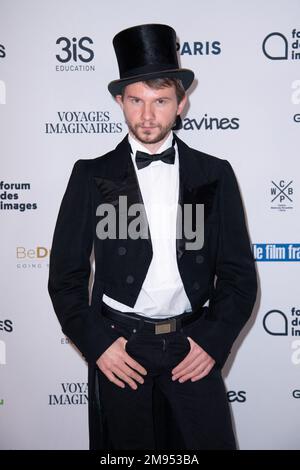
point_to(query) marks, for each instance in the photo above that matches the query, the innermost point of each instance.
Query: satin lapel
(119, 179)
(194, 188)
(180, 239)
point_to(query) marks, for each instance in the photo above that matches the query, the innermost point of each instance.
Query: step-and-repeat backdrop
(56, 58)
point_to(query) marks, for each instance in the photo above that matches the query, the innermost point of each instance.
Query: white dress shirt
(162, 294)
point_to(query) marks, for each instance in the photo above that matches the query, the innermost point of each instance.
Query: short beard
(164, 131)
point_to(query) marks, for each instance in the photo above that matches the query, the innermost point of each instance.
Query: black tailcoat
(222, 271)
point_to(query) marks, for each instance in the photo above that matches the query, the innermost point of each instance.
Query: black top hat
(146, 52)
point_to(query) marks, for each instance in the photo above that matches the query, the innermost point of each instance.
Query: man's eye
(161, 101)
(135, 100)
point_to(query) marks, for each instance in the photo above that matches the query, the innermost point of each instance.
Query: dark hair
(158, 83)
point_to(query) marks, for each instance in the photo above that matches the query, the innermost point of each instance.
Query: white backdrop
(56, 58)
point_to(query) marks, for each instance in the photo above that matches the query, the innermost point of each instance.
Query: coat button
(196, 285)
(122, 250)
(199, 259)
(129, 279)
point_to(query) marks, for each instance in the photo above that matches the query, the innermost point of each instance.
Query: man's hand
(196, 365)
(116, 364)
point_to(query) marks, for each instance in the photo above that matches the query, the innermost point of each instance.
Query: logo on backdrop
(2, 352)
(83, 122)
(276, 251)
(296, 393)
(2, 51)
(74, 393)
(199, 48)
(2, 92)
(295, 98)
(277, 46)
(75, 54)
(6, 326)
(281, 194)
(32, 258)
(206, 123)
(239, 396)
(278, 323)
(11, 197)
(65, 340)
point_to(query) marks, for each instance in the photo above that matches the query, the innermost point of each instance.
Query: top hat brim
(185, 75)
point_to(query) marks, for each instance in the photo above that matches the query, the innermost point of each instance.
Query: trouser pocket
(118, 328)
(184, 335)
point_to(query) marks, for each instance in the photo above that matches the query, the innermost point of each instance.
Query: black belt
(156, 325)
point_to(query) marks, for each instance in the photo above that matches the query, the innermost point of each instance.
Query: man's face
(150, 114)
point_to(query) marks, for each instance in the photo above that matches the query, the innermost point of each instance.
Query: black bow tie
(144, 159)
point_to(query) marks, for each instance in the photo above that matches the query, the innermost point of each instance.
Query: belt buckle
(165, 327)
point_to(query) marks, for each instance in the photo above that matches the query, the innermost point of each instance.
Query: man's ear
(182, 105)
(119, 100)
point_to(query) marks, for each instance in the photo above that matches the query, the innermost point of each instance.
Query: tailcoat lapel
(118, 178)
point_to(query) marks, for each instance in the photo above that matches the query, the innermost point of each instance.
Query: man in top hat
(168, 300)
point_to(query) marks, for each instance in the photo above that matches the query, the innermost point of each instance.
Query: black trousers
(194, 415)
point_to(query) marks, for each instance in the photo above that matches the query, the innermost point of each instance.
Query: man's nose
(148, 112)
